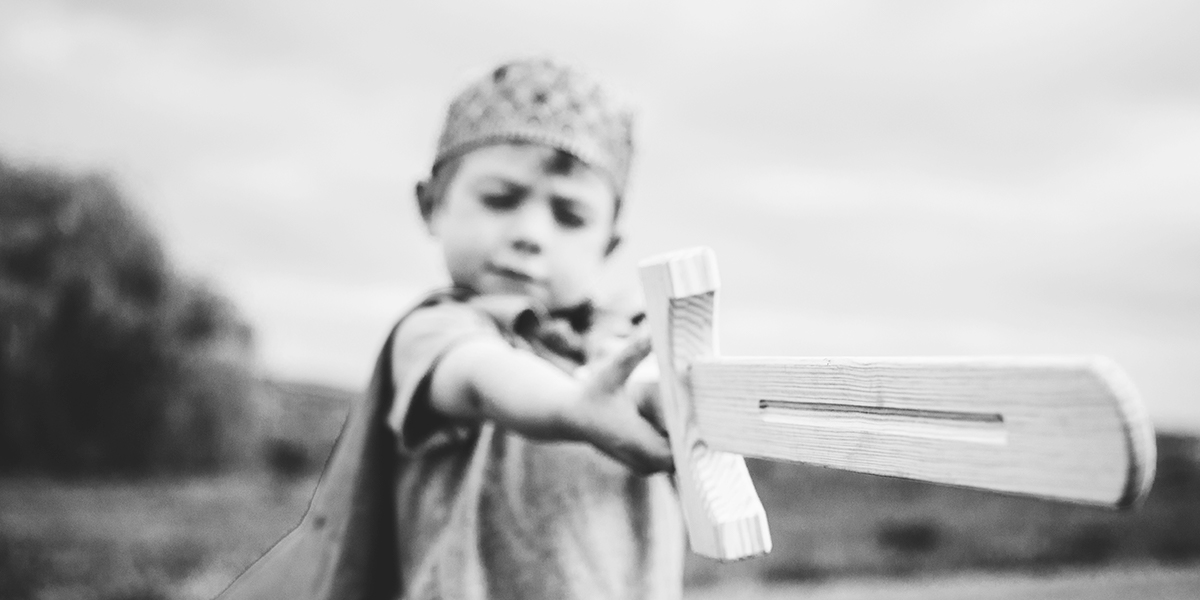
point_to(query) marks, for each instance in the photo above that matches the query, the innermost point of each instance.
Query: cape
(345, 546)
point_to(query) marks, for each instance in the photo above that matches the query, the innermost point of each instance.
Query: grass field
(163, 540)
(837, 535)
(1124, 584)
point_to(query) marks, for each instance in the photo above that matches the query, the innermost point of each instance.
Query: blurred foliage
(301, 421)
(110, 362)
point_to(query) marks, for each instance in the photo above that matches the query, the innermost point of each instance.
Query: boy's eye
(568, 216)
(503, 201)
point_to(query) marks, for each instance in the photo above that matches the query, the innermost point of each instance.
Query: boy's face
(513, 220)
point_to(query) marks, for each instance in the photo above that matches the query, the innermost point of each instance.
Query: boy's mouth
(512, 274)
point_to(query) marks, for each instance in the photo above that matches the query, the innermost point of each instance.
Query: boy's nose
(531, 228)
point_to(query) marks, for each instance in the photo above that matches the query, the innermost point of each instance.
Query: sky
(876, 178)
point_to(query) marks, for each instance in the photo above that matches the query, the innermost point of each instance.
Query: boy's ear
(425, 201)
(614, 242)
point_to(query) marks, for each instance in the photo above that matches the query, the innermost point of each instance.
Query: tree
(110, 362)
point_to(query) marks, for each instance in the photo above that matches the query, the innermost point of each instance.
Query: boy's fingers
(650, 408)
(625, 361)
(636, 443)
(652, 453)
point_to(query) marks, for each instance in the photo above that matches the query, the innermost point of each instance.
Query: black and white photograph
(367, 300)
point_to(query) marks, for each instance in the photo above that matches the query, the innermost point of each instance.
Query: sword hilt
(724, 517)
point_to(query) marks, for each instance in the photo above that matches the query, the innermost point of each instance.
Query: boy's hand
(643, 386)
(621, 418)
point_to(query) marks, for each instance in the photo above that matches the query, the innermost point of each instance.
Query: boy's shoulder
(438, 322)
(449, 309)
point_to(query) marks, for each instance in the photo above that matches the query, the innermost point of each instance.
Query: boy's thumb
(627, 359)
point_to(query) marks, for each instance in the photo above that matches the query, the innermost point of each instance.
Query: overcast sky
(876, 177)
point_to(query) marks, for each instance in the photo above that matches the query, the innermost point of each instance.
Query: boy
(521, 474)
(499, 452)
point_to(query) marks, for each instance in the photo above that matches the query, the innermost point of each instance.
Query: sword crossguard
(724, 517)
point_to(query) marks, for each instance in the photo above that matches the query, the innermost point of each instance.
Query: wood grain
(724, 517)
(1066, 428)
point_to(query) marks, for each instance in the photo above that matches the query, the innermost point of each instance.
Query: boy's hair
(540, 102)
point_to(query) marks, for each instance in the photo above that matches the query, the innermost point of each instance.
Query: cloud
(1023, 163)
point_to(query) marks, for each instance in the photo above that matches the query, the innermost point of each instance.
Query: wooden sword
(1065, 428)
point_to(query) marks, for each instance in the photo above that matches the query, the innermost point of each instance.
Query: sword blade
(1064, 428)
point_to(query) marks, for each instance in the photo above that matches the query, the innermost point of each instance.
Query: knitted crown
(543, 102)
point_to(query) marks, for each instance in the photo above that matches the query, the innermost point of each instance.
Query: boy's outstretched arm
(485, 378)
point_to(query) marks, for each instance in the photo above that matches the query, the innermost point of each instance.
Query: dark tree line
(110, 362)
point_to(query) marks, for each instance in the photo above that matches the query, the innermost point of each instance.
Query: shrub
(910, 537)
(1088, 544)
